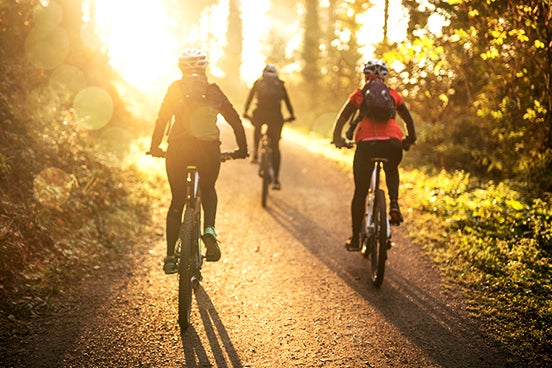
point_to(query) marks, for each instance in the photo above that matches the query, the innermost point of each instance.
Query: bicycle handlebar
(224, 156)
(286, 120)
(406, 144)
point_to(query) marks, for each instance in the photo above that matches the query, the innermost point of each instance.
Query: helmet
(270, 71)
(192, 60)
(377, 68)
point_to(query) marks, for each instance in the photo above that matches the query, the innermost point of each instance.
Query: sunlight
(139, 43)
(254, 19)
(143, 48)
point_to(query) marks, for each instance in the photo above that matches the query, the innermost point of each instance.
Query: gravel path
(285, 293)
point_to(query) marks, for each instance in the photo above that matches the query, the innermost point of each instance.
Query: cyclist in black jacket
(269, 90)
(194, 103)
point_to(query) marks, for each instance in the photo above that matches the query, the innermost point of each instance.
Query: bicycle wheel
(186, 269)
(379, 239)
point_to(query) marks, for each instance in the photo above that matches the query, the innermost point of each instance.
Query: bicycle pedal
(352, 249)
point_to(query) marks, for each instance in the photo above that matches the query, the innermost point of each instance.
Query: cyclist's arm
(346, 111)
(249, 98)
(404, 113)
(163, 117)
(233, 118)
(287, 101)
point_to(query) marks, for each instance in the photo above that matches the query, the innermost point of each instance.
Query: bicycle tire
(186, 270)
(379, 239)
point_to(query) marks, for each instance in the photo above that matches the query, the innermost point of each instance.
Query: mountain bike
(189, 246)
(375, 232)
(266, 161)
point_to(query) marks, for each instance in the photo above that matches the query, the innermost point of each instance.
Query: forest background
(479, 178)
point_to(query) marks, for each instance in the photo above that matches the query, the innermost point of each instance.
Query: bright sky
(145, 52)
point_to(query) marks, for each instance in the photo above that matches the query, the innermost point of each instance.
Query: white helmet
(270, 71)
(192, 60)
(377, 68)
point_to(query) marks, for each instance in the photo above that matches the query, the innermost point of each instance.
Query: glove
(339, 142)
(410, 139)
(407, 142)
(156, 152)
(240, 153)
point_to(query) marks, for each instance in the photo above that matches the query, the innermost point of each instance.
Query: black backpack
(270, 92)
(378, 103)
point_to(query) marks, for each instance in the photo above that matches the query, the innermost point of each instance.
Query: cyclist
(382, 139)
(194, 103)
(269, 91)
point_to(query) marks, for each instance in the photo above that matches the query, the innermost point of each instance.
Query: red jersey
(368, 129)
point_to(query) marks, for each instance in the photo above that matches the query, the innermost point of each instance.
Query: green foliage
(496, 245)
(54, 229)
(483, 88)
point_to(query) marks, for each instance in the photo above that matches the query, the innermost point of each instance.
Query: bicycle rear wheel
(379, 239)
(186, 269)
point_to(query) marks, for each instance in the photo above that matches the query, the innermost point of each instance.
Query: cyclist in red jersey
(375, 138)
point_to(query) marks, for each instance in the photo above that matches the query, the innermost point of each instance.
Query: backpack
(378, 103)
(200, 108)
(269, 93)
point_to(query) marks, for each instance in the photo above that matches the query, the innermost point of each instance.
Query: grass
(486, 239)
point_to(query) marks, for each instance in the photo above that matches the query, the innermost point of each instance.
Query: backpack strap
(361, 108)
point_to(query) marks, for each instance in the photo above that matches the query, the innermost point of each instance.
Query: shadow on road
(221, 345)
(424, 319)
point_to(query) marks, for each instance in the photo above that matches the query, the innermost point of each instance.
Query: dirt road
(285, 293)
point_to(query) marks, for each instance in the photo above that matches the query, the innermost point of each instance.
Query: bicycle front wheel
(379, 239)
(186, 269)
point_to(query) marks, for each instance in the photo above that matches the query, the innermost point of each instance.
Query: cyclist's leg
(275, 134)
(362, 170)
(256, 137)
(209, 168)
(392, 149)
(176, 174)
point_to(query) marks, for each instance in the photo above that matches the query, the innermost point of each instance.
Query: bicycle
(189, 250)
(266, 162)
(375, 233)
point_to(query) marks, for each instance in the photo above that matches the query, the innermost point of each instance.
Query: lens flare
(93, 107)
(67, 80)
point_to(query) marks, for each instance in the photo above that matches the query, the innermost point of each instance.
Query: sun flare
(143, 45)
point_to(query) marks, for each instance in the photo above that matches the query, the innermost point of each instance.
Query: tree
(490, 72)
(234, 40)
(311, 46)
